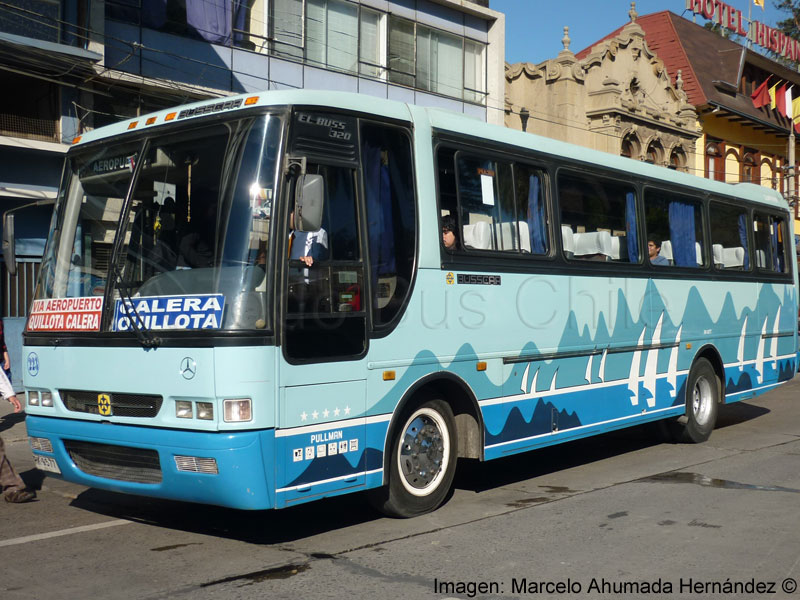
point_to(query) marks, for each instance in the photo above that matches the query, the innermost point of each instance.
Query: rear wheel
(422, 461)
(703, 390)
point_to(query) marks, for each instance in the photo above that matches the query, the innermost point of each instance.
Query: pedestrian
(11, 484)
(6, 360)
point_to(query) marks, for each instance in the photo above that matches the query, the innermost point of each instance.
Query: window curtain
(474, 78)
(450, 65)
(342, 35)
(287, 27)
(439, 62)
(154, 13)
(631, 233)
(240, 29)
(743, 240)
(682, 233)
(377, 183)
(536, 223)
(370, 43)
(211, 19)
(316, 38)
(777, 255)
(401, 51)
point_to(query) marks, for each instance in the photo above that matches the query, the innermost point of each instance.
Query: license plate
(45, 463)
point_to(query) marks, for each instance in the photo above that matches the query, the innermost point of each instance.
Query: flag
(759, 3)
(761, 95)
(796, 109)
(773, 94)
(789, 108)
(780, 100)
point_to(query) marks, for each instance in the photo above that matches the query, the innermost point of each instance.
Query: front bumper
(244, 461)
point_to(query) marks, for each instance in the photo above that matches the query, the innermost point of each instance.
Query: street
(622, 515)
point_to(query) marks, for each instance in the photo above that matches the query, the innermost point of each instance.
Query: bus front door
(322, 374)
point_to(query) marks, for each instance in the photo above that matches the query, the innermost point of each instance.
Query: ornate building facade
(617, 97)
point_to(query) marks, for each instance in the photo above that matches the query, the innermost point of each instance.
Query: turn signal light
(237, 410)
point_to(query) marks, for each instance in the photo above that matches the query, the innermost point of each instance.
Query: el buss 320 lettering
(623, 338)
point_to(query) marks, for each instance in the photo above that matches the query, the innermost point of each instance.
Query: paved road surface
(617, 516)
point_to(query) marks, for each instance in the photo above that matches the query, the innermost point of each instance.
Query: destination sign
(66, 314)
(196, 311)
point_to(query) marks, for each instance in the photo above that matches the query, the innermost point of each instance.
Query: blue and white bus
(248, 302)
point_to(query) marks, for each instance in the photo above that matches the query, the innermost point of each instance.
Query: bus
(247, 302)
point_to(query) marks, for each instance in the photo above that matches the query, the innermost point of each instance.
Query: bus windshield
(193, 209)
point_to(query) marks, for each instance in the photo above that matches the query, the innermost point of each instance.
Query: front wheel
(422, 461)
(703, 390)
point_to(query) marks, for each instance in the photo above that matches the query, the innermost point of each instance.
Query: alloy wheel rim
(423, 453)
(702, 400)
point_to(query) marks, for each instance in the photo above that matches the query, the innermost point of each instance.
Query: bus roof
(438, 119)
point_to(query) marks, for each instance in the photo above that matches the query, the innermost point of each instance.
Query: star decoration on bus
(326, 413)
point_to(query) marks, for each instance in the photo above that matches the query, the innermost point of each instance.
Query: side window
(500, 207)
(598, 219)
(675, 225)
(391, 217)
(486, 204)
(729, 244)
(772, 249)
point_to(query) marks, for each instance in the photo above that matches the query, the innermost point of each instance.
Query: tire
(422, 461)
(703, 393)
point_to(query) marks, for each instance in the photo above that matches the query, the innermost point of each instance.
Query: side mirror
(9, 251)
(309, 199)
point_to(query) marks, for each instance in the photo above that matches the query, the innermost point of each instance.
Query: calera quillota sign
(733, 20)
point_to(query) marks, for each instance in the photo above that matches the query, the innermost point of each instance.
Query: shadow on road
(733, 414)
(255, 527)
(11, 419)
(330, 514)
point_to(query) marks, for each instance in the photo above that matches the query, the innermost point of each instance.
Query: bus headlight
(237, 410)
(47, 399)
(183, 409)
(33, 398)
(205, 410)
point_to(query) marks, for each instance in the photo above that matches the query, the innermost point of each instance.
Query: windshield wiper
(144, 335)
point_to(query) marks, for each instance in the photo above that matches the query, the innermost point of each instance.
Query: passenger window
(729, 241)
(676, 222)
(486, 202)
(598, 219)
(500, 208)
(770, 246)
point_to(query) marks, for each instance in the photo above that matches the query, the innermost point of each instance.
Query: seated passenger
(449, 233)
(653, 249)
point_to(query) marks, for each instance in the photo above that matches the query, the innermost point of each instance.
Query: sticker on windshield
(66, 314)
(197, 311)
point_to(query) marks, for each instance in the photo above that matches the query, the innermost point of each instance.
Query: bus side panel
(627, 346)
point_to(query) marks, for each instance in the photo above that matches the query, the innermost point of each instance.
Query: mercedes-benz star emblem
(188, 368)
